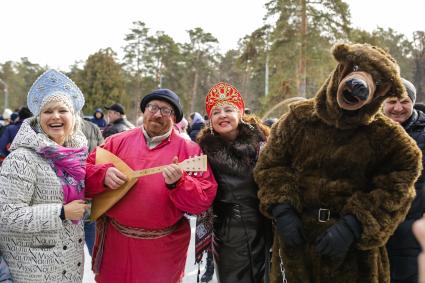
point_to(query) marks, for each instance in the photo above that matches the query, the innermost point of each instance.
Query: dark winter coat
(357, 163)
(403, 248)
(92, 134)
(241, 233)
(7, 137)
(195, 129)
(5, 276)
(100, 122)
(118, 126)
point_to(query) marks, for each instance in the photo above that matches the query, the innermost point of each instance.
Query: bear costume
(337, 176)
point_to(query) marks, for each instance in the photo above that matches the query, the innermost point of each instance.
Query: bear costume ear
(341, 52)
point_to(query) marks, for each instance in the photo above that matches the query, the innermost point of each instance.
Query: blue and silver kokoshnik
(51, 83)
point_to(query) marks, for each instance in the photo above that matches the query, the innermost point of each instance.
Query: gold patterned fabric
(221, 94)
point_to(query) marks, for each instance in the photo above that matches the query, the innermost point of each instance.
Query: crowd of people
(332, 191)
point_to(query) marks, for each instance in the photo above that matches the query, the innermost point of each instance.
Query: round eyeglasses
(165, 111)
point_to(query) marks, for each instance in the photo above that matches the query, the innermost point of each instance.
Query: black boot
(209, 268)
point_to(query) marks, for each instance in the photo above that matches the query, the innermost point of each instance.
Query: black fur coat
(237, 156)
(241, 233)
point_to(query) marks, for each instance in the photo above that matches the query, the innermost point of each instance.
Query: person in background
(94, 138)
(139, 121)
(98, 118)
(42, 187)
(5, 119)
(403, 249)
(5, 276)
(196, 124)
(233, 141)
(11, 130)
(7, 113)
(14, 117)
(269, 122)
(92, 133)
(182, 128)
(117, 121)
(419, 232)
(145, 236)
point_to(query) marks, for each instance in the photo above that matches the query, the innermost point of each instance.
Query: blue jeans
(4, 272)
(90, 231)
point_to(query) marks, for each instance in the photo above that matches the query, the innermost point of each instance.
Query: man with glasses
(146, 235)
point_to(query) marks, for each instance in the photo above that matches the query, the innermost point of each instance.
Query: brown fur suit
(351, 162)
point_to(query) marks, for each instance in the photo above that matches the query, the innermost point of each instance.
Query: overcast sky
(58, 32)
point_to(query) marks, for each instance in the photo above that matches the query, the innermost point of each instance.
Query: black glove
(338, 238)
(288, 224)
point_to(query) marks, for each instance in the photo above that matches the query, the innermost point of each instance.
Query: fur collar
(236, 156)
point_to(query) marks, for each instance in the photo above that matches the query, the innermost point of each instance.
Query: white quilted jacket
(36, 244)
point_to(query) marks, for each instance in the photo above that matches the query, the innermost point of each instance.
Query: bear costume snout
(355, 90)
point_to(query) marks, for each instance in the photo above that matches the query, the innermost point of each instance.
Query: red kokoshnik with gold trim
(222, 94)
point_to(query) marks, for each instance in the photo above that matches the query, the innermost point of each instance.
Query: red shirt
(151, 205)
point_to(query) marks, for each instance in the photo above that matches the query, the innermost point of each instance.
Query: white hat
(7, 113)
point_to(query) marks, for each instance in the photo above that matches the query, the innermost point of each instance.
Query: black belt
(246, 203)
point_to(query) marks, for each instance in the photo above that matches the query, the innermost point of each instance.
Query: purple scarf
(70, 166)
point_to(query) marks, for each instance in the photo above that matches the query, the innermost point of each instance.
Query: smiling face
(156, 123)
(57, 121)
(398, 109)
(225, 121)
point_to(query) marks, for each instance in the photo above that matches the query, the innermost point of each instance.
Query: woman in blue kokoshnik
(42, 187)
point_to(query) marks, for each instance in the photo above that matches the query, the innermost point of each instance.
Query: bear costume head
(353, 94)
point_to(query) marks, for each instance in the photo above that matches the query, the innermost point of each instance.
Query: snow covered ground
(190, 272)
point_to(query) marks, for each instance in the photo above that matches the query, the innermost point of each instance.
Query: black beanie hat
(165, 95)
(24, 113)
(411, 90)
